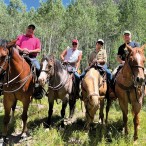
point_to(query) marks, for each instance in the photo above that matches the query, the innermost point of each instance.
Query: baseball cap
(126, 32)
(31, 26)
(101, 41)
(75, 41)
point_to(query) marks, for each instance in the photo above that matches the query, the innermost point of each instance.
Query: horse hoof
(47, 130)
(60, 128)
(135, 142)
(46, 125)
(23, 136)
(5, 140)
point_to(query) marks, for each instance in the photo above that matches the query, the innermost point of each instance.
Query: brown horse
(18, 82)
(129, 86)
(93, 91)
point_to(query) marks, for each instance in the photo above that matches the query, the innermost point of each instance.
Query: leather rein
(9, 82)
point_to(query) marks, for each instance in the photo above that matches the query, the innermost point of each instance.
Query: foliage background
(86, 20)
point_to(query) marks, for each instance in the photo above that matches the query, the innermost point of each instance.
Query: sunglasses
(74, 44)
(30, 28)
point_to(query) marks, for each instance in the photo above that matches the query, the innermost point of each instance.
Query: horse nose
(41, 81)
(140, 80)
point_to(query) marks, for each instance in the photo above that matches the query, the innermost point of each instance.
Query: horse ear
(52, 55)
(12, 43)
(129, 47)
(143, 47)
(43, 55)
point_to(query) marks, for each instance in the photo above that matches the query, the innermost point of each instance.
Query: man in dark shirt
(122, 51)
(121, 56)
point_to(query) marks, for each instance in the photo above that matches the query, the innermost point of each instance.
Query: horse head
(135, 60)
(47, 68)
(3, 55)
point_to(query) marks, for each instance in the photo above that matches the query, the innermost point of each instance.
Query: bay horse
(94, 88)
(129, 85)
(60, 85)
(18, 82)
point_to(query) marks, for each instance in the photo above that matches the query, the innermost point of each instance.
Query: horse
(94, 87)
(60, 86)
(18, 82)
(129, 86)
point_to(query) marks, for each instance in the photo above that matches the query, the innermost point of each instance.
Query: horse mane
(3, 42)
(11, 43)
(58, 65)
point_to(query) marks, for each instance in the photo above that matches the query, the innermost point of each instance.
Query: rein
(24, 80)
(61, 84)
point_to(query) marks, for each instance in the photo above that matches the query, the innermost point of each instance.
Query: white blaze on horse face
(43, 75)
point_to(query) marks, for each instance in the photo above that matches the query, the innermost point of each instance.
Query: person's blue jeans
(109, 74)
(36, 63)
(77, 76)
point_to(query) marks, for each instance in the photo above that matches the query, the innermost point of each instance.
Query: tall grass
(74, 134)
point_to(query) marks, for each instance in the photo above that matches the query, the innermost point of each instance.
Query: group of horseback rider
(29, 44)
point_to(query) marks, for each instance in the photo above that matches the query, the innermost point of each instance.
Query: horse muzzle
(140, 81)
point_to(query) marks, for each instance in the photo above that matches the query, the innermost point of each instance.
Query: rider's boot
(112, 94)
(38, 89)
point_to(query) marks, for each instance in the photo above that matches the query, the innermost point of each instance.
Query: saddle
(114, 77)
(97, 67)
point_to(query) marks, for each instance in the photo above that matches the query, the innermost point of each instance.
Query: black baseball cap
(31, 26)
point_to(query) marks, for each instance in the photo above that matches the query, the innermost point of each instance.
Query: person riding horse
(99, 56)
(121, 55)
(30, 45)
(73, 56)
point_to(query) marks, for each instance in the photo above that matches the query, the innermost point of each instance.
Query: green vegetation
(56, 26)
(86, 20)
(73, 134)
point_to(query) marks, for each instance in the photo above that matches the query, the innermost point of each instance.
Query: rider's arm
(91, 57)
(120, 60)
(104, 59)
(63, 54)
(79, 60)
(20, 49)
(120, 53)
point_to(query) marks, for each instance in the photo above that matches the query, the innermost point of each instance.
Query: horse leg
(136, 109)
(64, 104)
(101, 114)
(7, 108)
(108, 104)
(124, 107)
(24, 115)
(50, 111)
(13, 110)
(136, 124)
(72, 102)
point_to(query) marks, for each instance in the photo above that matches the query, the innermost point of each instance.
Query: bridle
(131, 68)
(7, 61)
(48, 72)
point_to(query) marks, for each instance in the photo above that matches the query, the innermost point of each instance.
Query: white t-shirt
(72, 56)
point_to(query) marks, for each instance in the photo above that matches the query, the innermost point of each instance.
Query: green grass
(74, 134)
